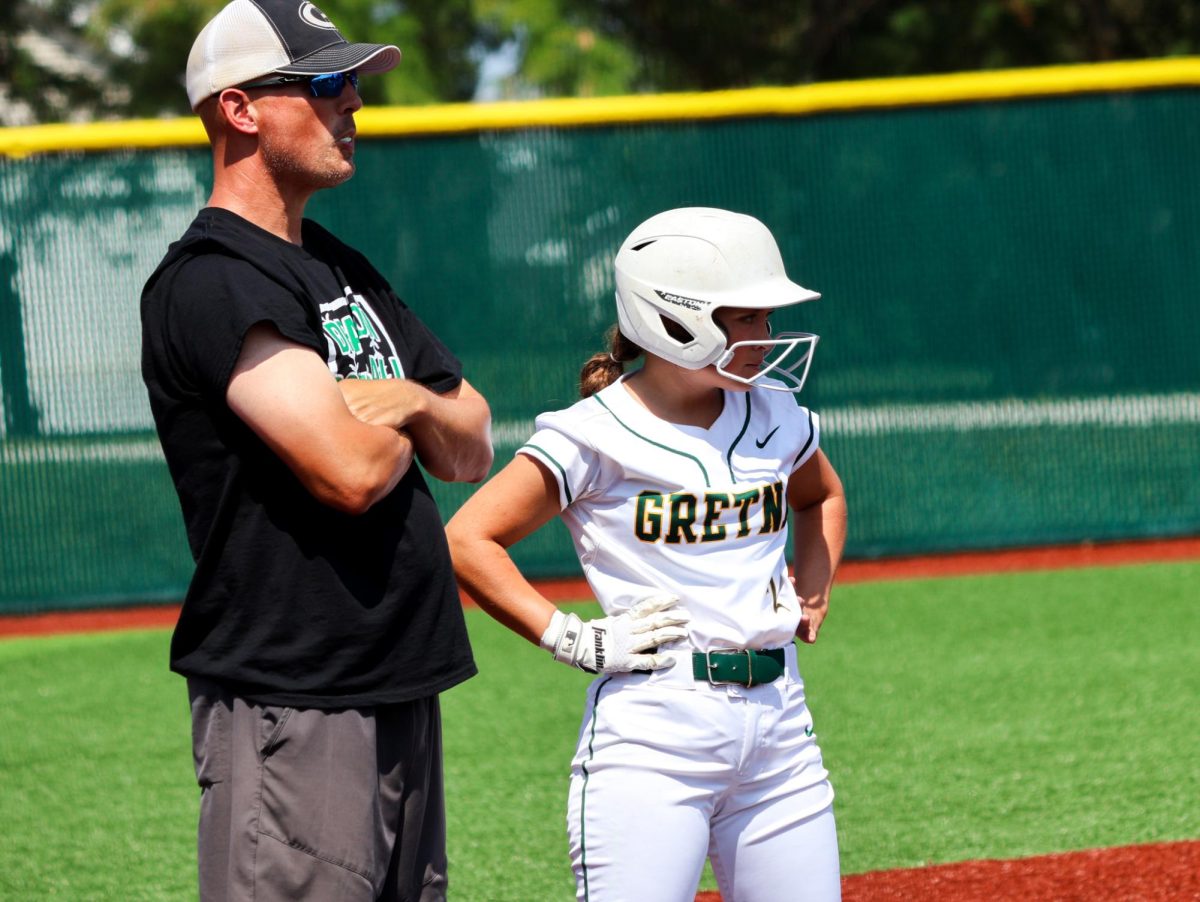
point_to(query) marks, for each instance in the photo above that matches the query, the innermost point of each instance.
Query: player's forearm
(819, 538)
(489, 575)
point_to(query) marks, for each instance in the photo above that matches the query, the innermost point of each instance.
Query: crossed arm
(451, 431)
(284, 392)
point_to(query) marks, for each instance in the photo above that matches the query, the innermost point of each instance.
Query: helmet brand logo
(680, 301)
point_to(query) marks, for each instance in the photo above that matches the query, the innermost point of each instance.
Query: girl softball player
(677, 482)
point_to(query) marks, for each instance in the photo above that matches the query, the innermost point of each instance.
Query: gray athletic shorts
(303, 803)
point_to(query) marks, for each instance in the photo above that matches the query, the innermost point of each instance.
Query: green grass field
(994, 716)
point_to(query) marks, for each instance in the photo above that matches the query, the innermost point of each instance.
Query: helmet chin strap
(789, 380)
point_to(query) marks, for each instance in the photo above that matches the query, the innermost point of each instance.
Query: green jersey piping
(745, 426)
(583, 791)
(561, 470)
(811, 436)
(691, 457)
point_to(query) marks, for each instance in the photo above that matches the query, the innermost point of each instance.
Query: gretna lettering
(687, 517)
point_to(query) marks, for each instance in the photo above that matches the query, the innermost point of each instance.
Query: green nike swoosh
(808, 731)
(763, 443)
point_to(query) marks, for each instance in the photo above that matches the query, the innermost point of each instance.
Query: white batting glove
(613, 644)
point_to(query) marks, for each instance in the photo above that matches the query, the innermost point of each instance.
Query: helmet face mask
(677, 268)
(795, 349)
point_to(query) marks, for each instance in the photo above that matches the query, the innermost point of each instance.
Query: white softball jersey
(663, 778)
(701, 513)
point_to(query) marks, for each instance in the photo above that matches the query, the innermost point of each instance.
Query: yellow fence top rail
(804, 100)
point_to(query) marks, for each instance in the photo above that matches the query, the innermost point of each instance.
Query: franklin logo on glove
(598, 635)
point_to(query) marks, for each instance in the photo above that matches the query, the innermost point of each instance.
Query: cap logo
(314, 17)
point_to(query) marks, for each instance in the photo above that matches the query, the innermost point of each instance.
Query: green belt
(746, 668)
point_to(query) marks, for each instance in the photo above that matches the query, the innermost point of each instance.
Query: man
(292, 391)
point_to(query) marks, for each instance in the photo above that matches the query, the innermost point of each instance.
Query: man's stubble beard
(287, 166)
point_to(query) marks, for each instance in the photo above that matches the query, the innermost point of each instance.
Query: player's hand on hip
(812, 613)
(811, 617)
(621, 642)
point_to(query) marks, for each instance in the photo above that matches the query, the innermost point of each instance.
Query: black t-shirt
(293, 602)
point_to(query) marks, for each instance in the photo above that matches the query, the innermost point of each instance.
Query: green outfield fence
(1010, 323)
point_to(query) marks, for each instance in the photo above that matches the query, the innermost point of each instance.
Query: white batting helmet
(681, 265)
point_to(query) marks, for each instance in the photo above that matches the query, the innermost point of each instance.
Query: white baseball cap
(249, 39)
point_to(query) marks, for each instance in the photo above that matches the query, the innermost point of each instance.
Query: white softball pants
(669, 771)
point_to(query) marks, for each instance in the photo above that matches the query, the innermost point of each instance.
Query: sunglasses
(330, 85)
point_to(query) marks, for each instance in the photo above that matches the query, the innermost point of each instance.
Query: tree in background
(438, 40)
(50, 70)
(558, 49)
(712, 44)
(79, 59)
(67, 60)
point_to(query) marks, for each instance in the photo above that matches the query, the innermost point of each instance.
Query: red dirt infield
(1158, 872)
(1053, 557)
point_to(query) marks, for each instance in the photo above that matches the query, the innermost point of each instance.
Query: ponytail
(605, 368)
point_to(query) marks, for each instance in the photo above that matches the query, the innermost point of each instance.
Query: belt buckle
(709, 666)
